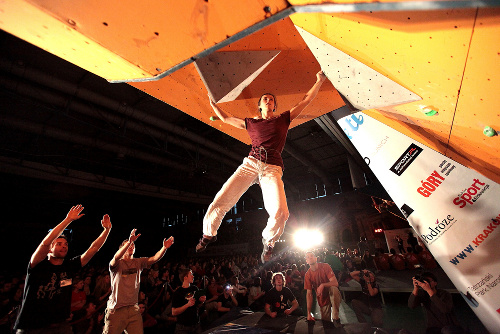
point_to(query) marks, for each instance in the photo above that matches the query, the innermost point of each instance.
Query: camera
(420, 278)
(364, 276)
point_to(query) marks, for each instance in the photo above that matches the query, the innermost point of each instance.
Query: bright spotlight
(307, 239)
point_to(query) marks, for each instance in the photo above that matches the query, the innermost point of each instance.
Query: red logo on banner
(430, 184)
(470, 195)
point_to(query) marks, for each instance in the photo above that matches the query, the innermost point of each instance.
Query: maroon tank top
(268, 138)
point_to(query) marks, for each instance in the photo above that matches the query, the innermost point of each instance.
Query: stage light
(307, 239)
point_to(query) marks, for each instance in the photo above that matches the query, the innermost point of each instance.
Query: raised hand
(425, 286)
(133, 237)
(168, 242)
(415, 282)
(75, 212)
(106, 222)
(212, 103)
(320, 76)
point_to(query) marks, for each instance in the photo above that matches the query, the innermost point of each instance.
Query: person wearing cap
(49, 281)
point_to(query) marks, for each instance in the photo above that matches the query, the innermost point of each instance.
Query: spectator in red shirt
(382, 260)
(425, 258)
(397, 260)
(411, 258)
(322, 280)
(148, 321)
(78, 296)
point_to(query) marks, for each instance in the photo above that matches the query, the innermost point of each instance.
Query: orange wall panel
(289, 76)
(150, 35)
(479, 103)
(423, 51)
(444, 56)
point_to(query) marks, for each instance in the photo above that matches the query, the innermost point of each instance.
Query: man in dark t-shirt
(370, 302)
(280, 299)
(47, 292)
(185, 304)
(226, 301)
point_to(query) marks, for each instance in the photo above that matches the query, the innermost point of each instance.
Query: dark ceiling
(74, 130)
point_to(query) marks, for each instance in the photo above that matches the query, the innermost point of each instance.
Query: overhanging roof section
(121, 40)
(126, 40)
(446, 52)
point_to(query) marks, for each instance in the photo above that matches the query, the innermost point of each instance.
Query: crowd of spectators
(229, 284)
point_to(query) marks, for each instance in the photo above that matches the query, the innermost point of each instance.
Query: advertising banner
(453, 209)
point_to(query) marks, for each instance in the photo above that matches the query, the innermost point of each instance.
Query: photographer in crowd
(226, 300)
(438, 304)
(370, 302)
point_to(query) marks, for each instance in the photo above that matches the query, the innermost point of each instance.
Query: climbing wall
(450, 58)
(446, 53)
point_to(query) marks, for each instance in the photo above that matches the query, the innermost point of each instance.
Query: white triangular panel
(226, 74)
(364, 87)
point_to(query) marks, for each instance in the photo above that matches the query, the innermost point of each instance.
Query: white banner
(390, 238)
(455, 210)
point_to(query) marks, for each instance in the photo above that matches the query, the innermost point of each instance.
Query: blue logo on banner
(354, 127)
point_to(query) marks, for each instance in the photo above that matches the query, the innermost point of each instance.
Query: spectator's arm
(267, 309)
(309, 300)
(371, 290)
(201, 300)
(214, 298)
(444, 302)
(43, 249)
(234, 301)
(220, 308)
(119, 254)
(178, 310)
(413, 300)
(355, 275)
(97, 244)
(166, 245)
(295, 305)
(332, 282)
